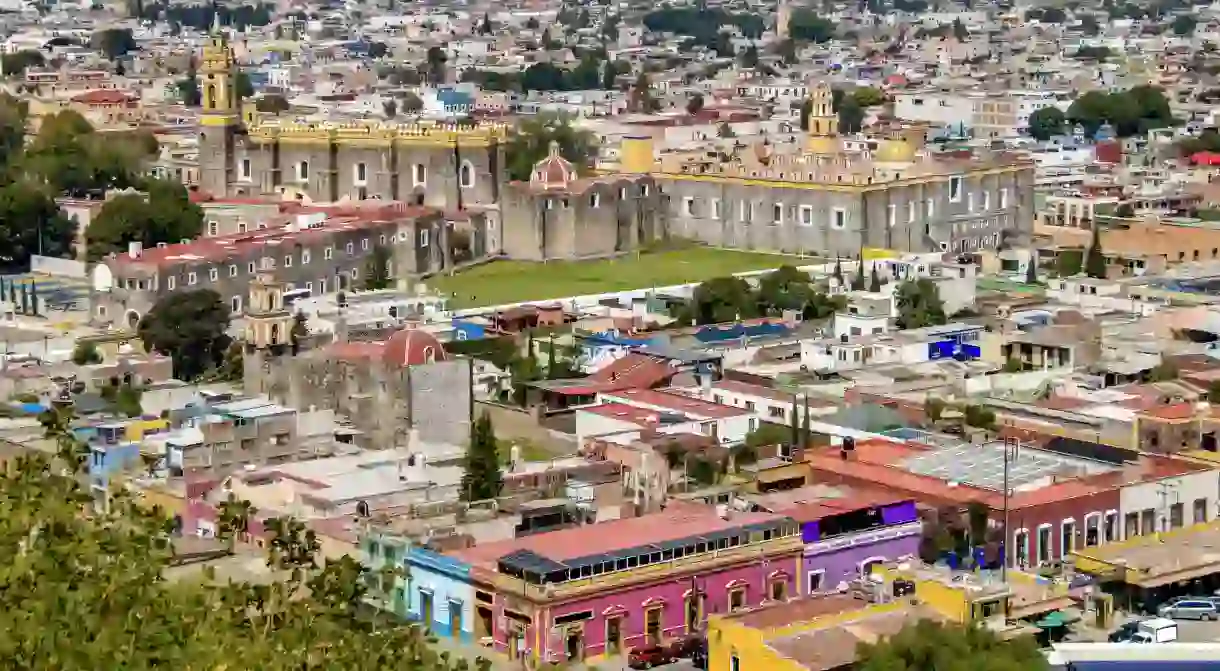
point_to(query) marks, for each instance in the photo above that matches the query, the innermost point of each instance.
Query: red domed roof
(412, 347)
(552, 172)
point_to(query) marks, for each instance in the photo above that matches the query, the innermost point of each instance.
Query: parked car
(1124, 631)
(699, 659)
(687, 646)
(648, 656)
(1190, 609)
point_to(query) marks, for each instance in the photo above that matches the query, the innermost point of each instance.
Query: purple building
(844, 538)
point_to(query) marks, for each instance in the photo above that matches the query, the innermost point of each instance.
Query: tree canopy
(166, 215)
(1131, 112)
(532, 139)
(85, 583)
(702, 24)
(919, 304)
(928, 645)
(1047, 123)
(189, 327)
(725, 299)
(481, 477)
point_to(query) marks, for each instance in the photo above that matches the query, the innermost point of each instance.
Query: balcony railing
(704, 562)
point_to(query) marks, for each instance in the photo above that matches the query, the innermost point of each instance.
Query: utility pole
(1012, 449)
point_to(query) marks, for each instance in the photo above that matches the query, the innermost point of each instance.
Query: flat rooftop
(1173, 556)
(678, 521)
(834, 646)
(983, 466)
(797, 610)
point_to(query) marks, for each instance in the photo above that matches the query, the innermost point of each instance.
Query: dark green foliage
(274, 103)
(1094, 258)
(482, 478)
(1131, 112)
(531, 142)
(724, 299)
(1031, 271)
(874, 281)
(919, 304)
(1184, 24)
(242, 86)
(1099, 54)
(1069, 262)
(768, 434)
(300, 331)
(806, 26)
(851, 116)
(377, 270)
(114, 42)
(931, 645)
(701, 24)
(86, 353)
(15, 64)
(1213, 392)
(1046, 123)
(189, 327)
(188, 90)
(166, 215)
(1164, 371)
(1046, 15)
(200, 16)
(979, 416)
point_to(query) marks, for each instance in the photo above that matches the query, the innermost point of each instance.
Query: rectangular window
(1176, 514)
(955, 189)
(250, 268)
(806, 215)
(361, 173)
(328, 253)
(419, 174)
(930, 206)
(970, 202)
(910, 212)
(423, 238)
(288, 261)
(236, 303)
(715, 208)
(1004, 199)
(364, 244)
(213, 228)
(232, 271)
(986, 200)
(688, 206)
(349, 248)
(304, 256)
(191, 279)
(892, 216)
(170, 282)
(1200, 511)
(595, 200)
(245, 169)
(213, 274)
(303, 171)
(777, 213)
(838, 218)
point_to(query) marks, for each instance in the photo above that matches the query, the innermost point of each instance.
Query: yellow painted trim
(219, 120)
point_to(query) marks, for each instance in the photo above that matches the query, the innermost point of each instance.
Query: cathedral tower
(221, 115)
(823, 122)
(268, 334)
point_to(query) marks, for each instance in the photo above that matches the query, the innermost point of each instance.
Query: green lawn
(502, 282)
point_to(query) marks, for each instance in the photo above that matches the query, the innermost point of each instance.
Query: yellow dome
(822, 144)
(895, 151)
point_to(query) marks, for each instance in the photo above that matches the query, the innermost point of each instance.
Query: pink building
(583, 593)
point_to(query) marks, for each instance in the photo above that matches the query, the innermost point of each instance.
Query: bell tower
(823, 122)
(268, 334)
(221, 114)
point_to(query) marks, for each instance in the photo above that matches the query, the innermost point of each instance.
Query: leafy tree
(930, 644)
(785, 288)
(1213, 392)
(874, 280)
(806, 110)
(787, 52)
(609, 76)
(723, 299)
(960, 31)
(919, 304)
(272, 103)
(243, 87)
(1184, 24)
(377, 273)
(189, 327)
(694, 104)
(806, 26)
(867, 96)
(933, 407)
(485, 26)
(1094, 258)
(838, 271)
(640, 98)
(482, 478)
(1164, 371)
(749, 57)
(299, 331)
(165, 215)
(411, 103)
(1046, 123)
(851, 117)
(114, 42)
(725, 131)
(1089, 25)
(233, 518)
(979, 416)
(188, 90)
(532, 139)
(127, 400)
(31, 222)
(768, 434)
(1098, 53)
(436, 59)
(15, 64)
(1013, 365)
(85, 353)
(1131, 112)
(702, 24)
(378, 50)
(1069, 262)
(390, 107)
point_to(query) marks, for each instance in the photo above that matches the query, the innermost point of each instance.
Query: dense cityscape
(873, 336)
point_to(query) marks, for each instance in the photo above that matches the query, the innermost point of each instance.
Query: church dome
(412, 347)
(553, 172)
(895, 151)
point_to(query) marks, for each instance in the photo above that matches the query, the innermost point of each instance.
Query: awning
(1052, 620)
(1178, 576)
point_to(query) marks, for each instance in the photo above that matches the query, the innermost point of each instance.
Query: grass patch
(502, 282)
(528, 449)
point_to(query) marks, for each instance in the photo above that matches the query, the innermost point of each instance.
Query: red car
(649, 656)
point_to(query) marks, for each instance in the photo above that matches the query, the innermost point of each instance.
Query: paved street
(1189, 631)
(501, 663)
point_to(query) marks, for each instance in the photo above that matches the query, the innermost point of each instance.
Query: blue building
(435, 590)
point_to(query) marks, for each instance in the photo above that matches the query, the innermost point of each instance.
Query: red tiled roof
(679, 520)
(666, 400)
(633, 371)
(1176, 411)
(103, 97)
(222, 248)
(625, 413)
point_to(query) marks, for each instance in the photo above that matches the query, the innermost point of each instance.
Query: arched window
(210, 103)
(429, 355)
(466, 175)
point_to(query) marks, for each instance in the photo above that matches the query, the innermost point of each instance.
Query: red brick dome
(412, 347)
(553, 172)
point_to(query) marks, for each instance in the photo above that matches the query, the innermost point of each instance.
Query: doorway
(652, 625)
(455, 620)
(425, 608)
(482, 622)
(694, 612)
(574, 644)
(614, 636)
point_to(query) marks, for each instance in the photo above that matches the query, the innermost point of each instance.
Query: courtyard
(501, 282)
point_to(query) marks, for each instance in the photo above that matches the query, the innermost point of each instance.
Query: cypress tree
(482, 478)
(1095, 259)
(1031, 270)
(805, 431)
(796, 427)
(838, 274)
(875, 282)
(34, 298)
